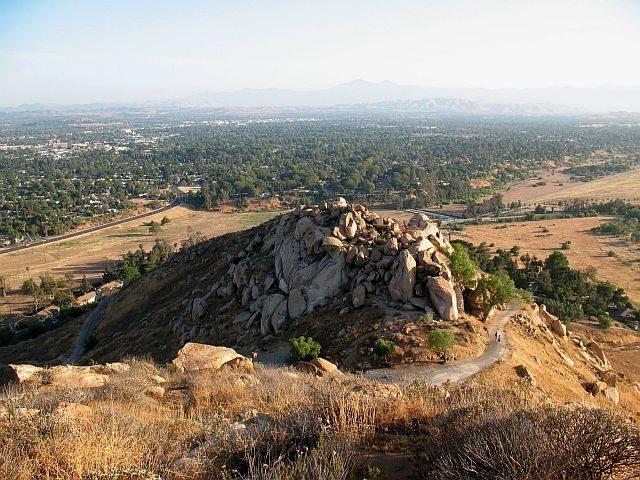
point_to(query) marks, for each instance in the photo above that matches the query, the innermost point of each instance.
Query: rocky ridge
(326, 251)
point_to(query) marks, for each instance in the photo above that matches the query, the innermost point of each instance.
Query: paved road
(66, 236)
(455, 372)
(87, 329)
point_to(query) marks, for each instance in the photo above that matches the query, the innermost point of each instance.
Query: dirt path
(87, 329)
(455, 372)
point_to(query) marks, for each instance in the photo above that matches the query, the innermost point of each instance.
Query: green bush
(605, 321)
(304, 348)
(383, 348)
(441, 340)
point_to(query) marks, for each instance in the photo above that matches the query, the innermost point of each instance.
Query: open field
(586, 248)
(529, 191)
(88, 254)
(622, 185)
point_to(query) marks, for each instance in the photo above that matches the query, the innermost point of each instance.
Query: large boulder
(358, 296)
(274, 306)
(596, 350)
(443, 298)
(19, 373)
(296, 303)
(194, 357)
(77, 377)
(403, 277)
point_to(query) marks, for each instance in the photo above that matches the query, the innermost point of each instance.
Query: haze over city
(77, 52)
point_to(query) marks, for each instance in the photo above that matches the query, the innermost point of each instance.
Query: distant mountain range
(560, 99)
(386, 96)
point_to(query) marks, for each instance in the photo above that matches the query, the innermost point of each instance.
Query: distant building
(110, 288)
(86, 299)
(49, 313)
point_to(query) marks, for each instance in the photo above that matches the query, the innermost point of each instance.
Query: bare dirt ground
(90, 253)
(586, 248)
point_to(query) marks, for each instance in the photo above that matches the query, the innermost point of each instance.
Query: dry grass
(89, 254)
(274, 424)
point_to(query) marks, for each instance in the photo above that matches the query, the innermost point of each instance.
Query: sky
(79, 51)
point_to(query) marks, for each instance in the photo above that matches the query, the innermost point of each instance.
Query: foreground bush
(547, 443)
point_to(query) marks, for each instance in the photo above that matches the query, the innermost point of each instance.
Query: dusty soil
(586, 250)
(562, 383)
(90, 253)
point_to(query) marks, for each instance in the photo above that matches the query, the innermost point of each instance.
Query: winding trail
(455, 372)
(87, 329)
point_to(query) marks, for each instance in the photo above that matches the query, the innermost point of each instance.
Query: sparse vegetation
(304, 348)
(383, 348)
(440, 341)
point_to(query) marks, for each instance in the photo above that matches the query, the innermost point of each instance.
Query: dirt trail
(455, 372)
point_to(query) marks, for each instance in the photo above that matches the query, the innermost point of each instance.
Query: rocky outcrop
(554, 324)
(321, 253)
(195, 357)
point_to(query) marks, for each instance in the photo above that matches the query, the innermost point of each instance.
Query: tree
(304, 348)
(441, 341)
(463, 269)
(494, 289)
(32, 288)
(515, 250)
(383, 348)
(154, 228)
(165, 220)
(556, 263)
(604, 320)
(129, 272)
(4, 285)
(85, 286)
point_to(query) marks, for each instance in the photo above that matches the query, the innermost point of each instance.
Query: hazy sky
(89, 50)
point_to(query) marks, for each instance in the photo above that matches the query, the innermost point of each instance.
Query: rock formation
(323, 252)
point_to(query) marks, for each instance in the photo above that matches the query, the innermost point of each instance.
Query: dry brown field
(89, 254)
(528, 193)
(625, 186)
(586, 248)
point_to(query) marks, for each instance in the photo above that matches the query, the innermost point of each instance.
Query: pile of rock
(326, 251)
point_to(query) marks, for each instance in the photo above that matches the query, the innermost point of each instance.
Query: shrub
(611, 253)
(605, 321)
(383, 348)
(545, 443)
(441, 340)
(304, 348)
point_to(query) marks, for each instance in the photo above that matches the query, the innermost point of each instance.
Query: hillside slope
(333, 271)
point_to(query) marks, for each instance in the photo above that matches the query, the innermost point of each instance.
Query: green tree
(154, 228)
(165, 220)
(604, 320)
(85, 285)
(463, 269)
(440, 341)
(129, 272)
(494, 289)
(304, 348)
(383, 348)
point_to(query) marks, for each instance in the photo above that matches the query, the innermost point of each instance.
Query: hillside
(332, 272)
